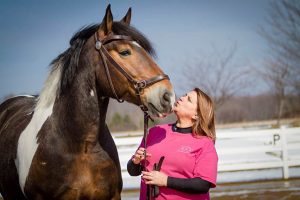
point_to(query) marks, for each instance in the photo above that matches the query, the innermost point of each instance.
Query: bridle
(138, 85)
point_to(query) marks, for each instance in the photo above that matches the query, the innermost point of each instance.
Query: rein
(152, 190)
(146, 120)
(138, 85)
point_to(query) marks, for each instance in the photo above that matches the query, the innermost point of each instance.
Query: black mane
(68, 60)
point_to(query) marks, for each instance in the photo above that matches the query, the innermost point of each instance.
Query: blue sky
(34, 32)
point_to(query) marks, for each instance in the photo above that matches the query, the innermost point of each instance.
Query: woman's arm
(189, 185)
(134, 166)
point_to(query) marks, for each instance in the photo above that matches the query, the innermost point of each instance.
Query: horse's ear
(127, 18)
(106, 25)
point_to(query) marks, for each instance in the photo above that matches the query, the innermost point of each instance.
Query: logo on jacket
(185, 149)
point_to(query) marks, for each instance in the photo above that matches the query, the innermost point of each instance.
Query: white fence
(237, 150)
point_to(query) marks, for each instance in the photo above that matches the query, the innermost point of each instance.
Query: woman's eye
(125, 53)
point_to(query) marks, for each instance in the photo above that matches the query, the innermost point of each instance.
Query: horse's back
(15, 114)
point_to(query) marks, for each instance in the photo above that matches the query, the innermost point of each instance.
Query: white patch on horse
(25, 95)
(29, 113)
(173, 100)
(27, 144)
(92, 93)
(136, 44)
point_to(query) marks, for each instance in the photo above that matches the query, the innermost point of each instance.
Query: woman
(184, 150)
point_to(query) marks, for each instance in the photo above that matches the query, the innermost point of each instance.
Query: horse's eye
(125, 52)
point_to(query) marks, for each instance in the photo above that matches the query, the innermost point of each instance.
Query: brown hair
(205, 123)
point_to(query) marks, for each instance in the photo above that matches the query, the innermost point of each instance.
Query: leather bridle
(138, 85)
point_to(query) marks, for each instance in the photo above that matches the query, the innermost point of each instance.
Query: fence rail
(237, 150)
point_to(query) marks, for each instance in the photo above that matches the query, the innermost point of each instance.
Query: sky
(34, 32)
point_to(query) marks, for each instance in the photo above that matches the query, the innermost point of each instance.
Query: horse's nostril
(166, 98)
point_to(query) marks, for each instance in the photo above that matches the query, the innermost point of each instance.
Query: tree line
(237, 109)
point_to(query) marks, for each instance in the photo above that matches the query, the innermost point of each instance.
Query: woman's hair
(205, 123)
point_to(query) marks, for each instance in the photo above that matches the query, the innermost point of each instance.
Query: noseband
(138, 85)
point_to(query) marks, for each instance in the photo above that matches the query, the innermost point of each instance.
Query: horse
(57, 145)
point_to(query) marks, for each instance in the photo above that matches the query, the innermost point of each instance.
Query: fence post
(284, 152)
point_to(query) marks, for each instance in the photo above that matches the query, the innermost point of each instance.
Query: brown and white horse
(56, 145)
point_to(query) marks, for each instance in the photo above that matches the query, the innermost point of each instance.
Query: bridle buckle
(98, 45)
(140, 84)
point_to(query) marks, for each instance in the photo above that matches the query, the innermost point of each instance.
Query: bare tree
(282, 34)
(276, 74)
(217, 75)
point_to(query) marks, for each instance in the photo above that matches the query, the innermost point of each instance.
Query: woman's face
(186, 106)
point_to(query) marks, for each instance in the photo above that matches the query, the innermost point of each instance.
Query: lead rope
(146, 120)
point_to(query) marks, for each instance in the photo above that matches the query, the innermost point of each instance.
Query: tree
(218, 75)
(276, 74)
(282, 34)
(119, 123)
(283, 37)
(116, 122)
(128, 124)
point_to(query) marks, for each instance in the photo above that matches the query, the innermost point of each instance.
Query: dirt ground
(266, 190)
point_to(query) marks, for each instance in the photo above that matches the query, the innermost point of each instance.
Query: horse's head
(124, 68)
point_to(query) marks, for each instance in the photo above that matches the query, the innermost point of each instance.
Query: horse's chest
(83, 176)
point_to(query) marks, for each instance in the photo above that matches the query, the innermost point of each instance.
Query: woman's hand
(139, 156)
(155, 178)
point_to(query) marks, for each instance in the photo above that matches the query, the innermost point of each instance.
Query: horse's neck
(81, 113)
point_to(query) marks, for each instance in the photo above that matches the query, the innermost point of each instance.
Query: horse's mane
(68, 60)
